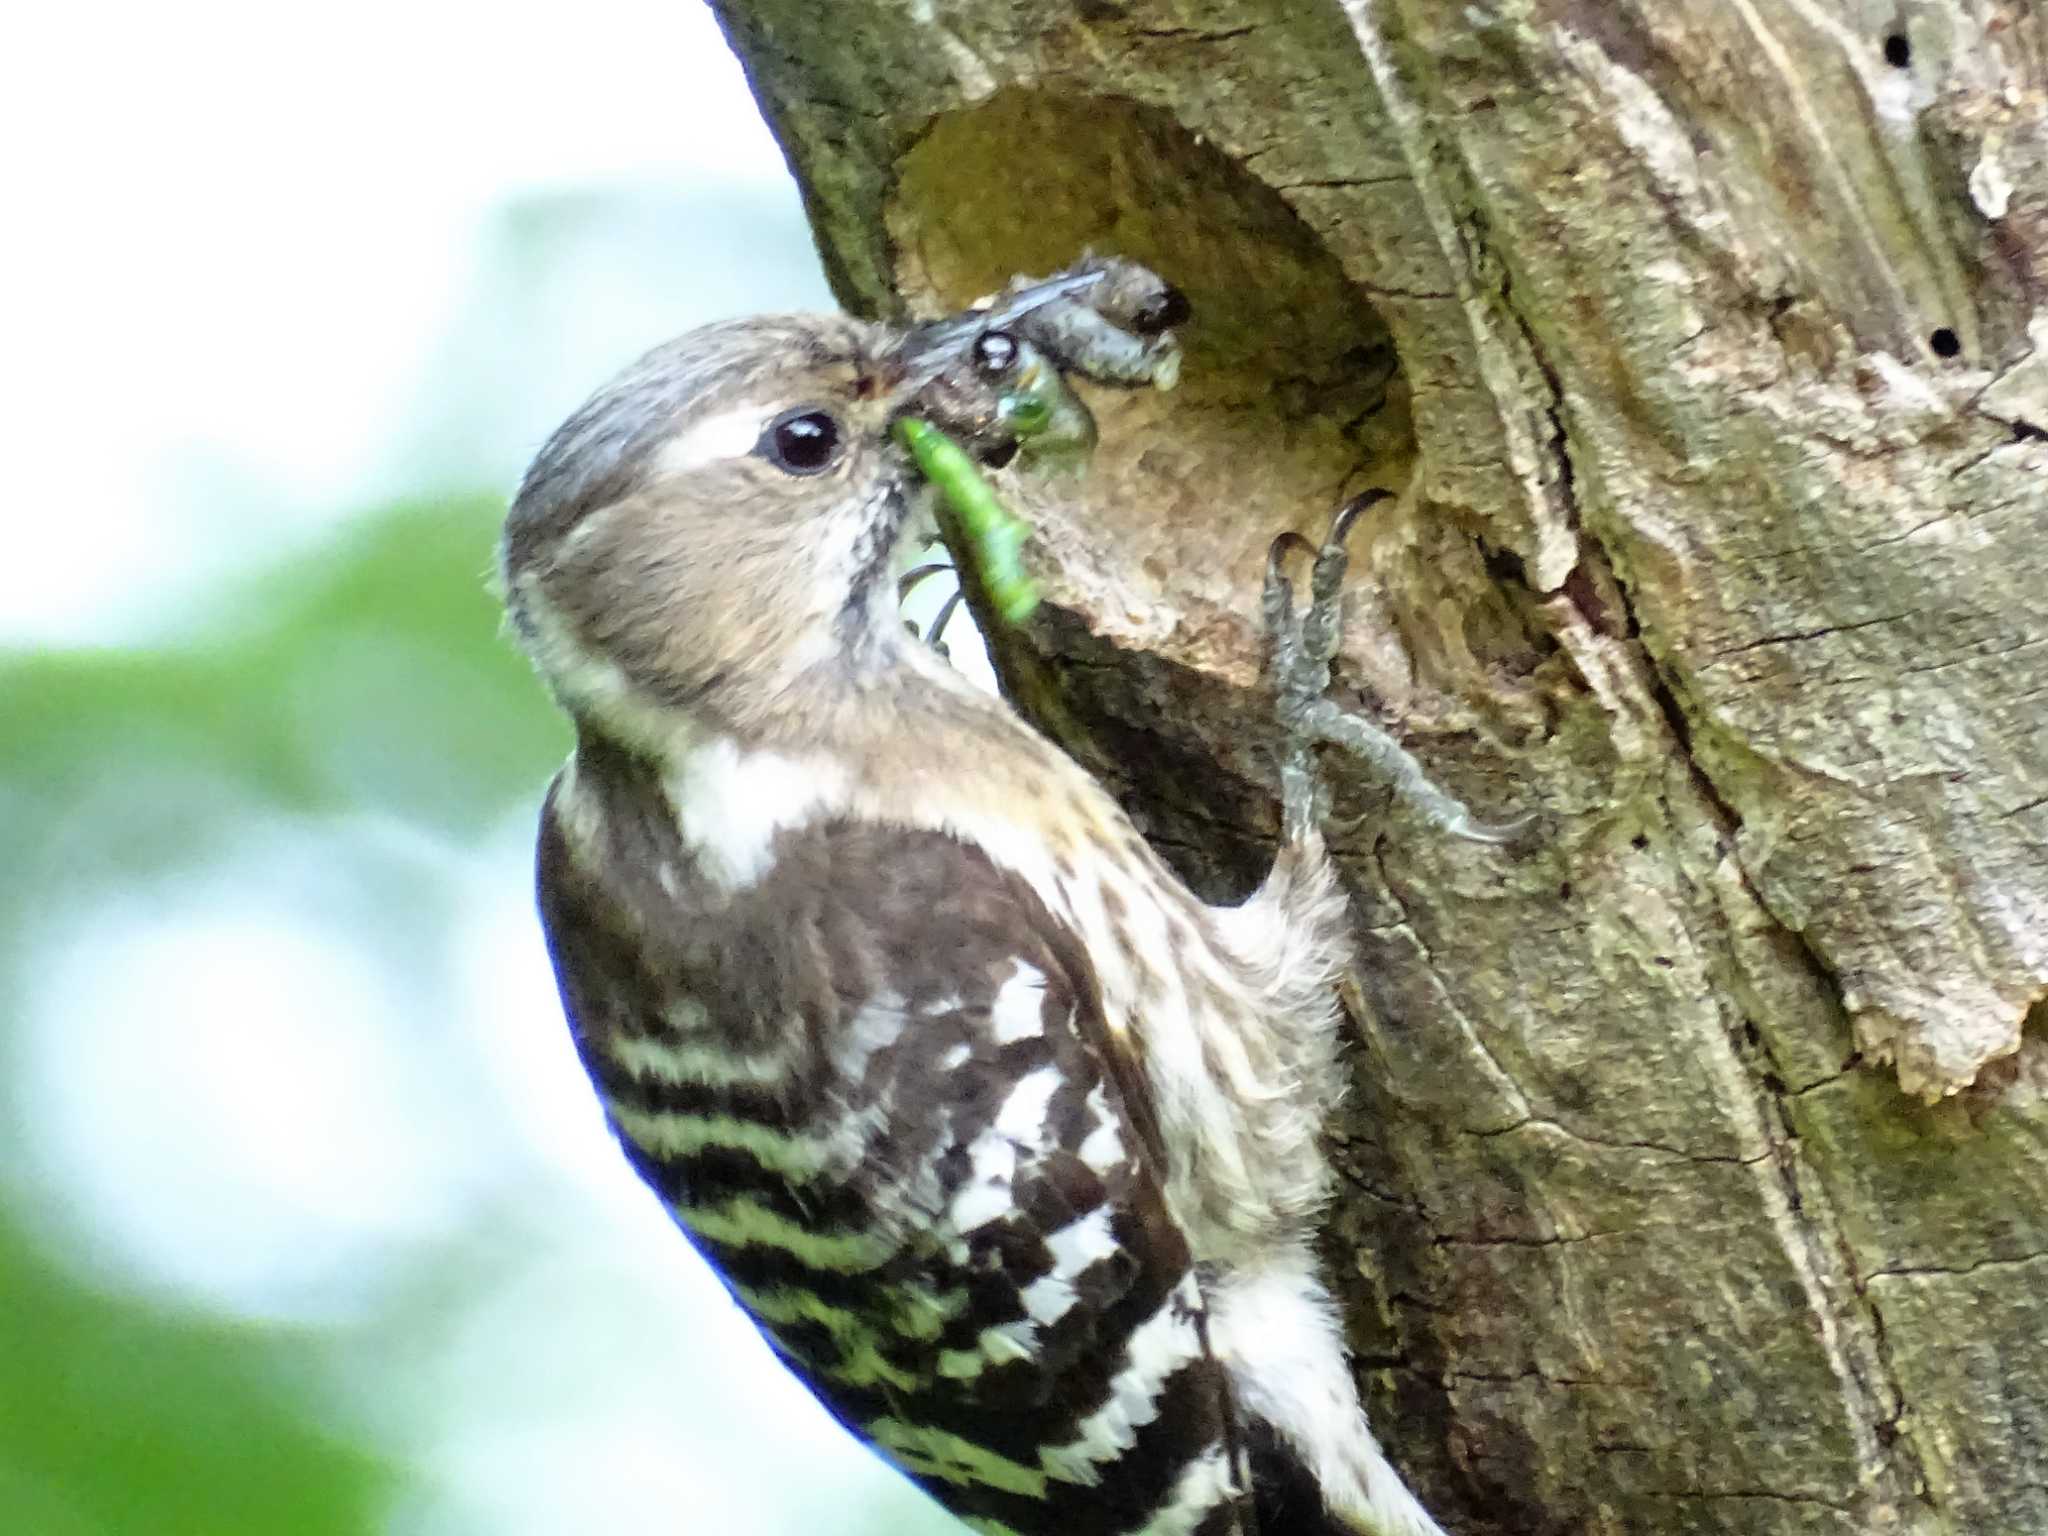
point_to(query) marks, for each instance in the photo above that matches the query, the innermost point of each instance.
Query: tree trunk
(1694, 1172)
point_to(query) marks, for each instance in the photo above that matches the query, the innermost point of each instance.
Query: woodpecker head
(711, 539)
(713, 533)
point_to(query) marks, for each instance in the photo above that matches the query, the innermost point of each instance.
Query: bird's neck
(898, 702)
(903, 731)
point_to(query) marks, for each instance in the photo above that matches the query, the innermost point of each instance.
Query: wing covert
(876, 1089)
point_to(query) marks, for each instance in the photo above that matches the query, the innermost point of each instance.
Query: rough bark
(1694, 1170)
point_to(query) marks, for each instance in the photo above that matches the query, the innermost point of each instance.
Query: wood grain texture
(1693, 1173)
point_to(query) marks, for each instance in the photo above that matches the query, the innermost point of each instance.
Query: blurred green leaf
(118, 1419)
(370, 677)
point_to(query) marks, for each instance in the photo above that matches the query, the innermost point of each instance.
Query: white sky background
(258, 282)
(241, 229)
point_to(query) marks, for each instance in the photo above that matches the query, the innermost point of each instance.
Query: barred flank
(876, 1089)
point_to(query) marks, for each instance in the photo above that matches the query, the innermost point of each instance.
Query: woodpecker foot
(935, 634)
(1298, 656)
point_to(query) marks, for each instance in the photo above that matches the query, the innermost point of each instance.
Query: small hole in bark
(1290, 383)
(1639, 842)
(1897, 51)
(1564, 891)
(1662, 962)
(1751, 1034)
(1774, 1083)
(1945, 343)
(1504, 565)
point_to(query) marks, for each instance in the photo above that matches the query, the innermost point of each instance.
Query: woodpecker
(1007, 1142)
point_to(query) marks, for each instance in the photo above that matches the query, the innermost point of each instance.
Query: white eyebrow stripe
(729, 434)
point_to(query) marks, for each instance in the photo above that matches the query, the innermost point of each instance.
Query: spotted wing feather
(876, 1089)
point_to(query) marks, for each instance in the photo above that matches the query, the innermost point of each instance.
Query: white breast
(730, 803)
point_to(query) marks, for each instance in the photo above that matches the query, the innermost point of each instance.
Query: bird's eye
(995, 353)
(1164, 310)
(801, 442)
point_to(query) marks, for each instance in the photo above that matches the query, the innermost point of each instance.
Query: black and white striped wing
(877, 1090)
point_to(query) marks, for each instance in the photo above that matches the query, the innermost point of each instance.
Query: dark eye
(801, 442)
(1164, 310)
(995, 353)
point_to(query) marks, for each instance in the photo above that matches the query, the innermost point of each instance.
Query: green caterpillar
(992, 536)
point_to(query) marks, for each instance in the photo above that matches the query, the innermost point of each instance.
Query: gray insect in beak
(981, 379)
(932, 350)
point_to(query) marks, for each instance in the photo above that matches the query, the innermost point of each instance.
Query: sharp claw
(1281, 548)
(1283, 635)
(1349, 514)
(1494, 833)
(1298, 661)
(911, 579)
(945, 617)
